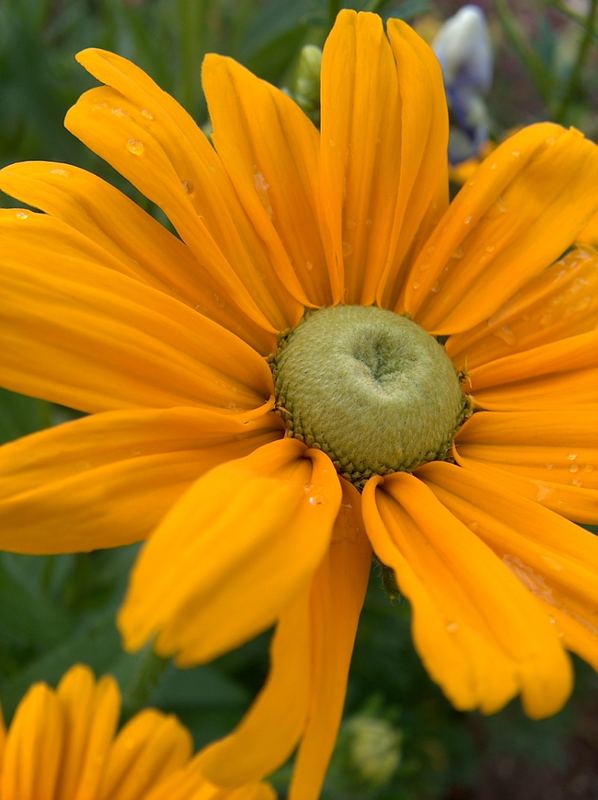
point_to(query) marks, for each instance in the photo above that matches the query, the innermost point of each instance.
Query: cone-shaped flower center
(370, 388)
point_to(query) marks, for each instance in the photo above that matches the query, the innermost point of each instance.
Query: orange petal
(128, 466)
(560, 302)
(589, 235)
(35, 738)
(150, 747)
(481, 635)
(422, 191)
(549, 456)
(539, 378)
(275, 173)
(257, 528)
(337, 596)
(554, 559)
(523, 208)
(270, 730)
(377, 134)
(85, 336)
(123, 237)
(171, 161)
(91, 712)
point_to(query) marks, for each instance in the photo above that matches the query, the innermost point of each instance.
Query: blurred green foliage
(401, 740)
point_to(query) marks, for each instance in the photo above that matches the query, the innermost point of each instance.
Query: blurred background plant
(401, 740)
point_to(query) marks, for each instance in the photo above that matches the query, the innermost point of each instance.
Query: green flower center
(370, 388)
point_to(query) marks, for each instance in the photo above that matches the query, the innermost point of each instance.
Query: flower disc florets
(370, 388)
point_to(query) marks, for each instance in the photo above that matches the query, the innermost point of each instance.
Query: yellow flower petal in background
(524, 207)
(276, 176)
(130, 466)
(112, 342)
(482, 636)
(193, 188)
(124, 237)
(62, 745)
(253, 528)
(589, 235)
(561, 301)
(550, 456)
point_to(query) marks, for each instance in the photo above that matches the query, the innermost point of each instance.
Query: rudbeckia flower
(62, 745)
(328, 359)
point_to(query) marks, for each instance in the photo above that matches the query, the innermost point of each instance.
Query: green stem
(534, 64)
(137, 692)
(575, 75)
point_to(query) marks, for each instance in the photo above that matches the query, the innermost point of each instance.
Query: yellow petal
(91, 712)
(337, 596)
(150, 747)
(272, 727)
(171, 161)
(254, 528)
(422, 191)
(128, 466)
(549, 456)
(35, 737)
(523, 208)
(554, 559)
(85, 336)
(123, 237)
(275, 175)
(589, 235)
(539, 378)
(481, 635)
(376, 135)
(558, 303)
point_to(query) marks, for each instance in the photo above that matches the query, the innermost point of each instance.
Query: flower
(62, 744)
(463, 48)
(261, 499)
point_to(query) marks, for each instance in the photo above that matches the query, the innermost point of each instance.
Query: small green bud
(307, 82)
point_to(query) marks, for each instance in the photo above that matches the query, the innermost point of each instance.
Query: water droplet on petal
(494, 165)
(135, 147)
(415, 285)
(118, 112)
(543, 492)
(574, 467)
(188, 186)
(147, 114)
(21, 215)
(458, 253)
(309, 266)
(515, 153)
(64, 173)
(467, 220)
(588, 468)
(506, 334)
(315, 500)
(490, 248)
(572, 457)
(436, 287)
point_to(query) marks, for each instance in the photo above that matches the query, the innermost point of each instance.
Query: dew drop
(315, 500)
(543, 492)
(147, 114)
(415, 285)
(309, 266)
(436, 287)
(494, 165)
(577, 482)
(21, 215)
(118, 112)
(572, 457)
(516, 153)
(188, 186)
(467, 220)
(501, 205)
(588, 468)
(135, 147)
(60, 171)
(505, 333)
(458, 253)
(574, 467)
(490, 248)
(545, 319)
